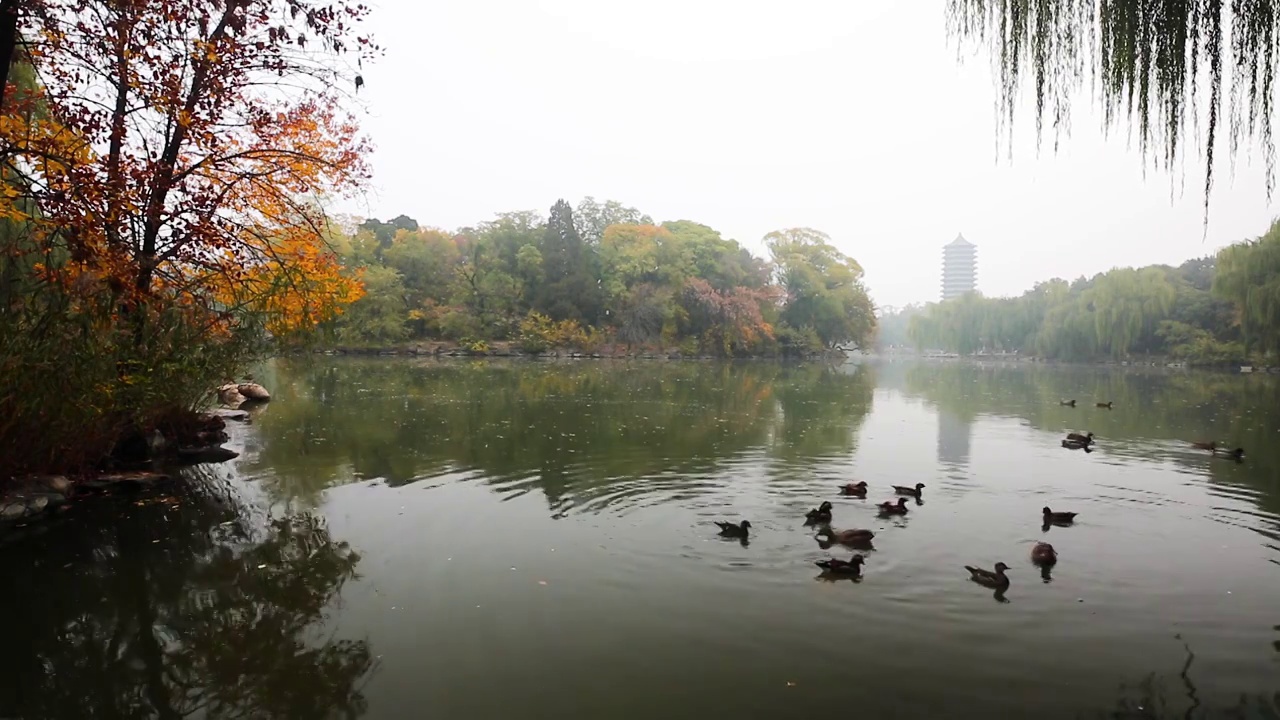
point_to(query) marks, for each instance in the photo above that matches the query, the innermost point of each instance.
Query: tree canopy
(1208, 311)
(1175, 69)
(603, 273)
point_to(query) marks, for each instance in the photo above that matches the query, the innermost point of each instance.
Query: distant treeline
(1216, 310)
(600, 273)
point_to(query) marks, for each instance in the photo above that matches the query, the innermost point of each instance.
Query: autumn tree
(570, 289)
(169, 201)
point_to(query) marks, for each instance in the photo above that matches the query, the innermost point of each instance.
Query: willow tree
(1166, 66)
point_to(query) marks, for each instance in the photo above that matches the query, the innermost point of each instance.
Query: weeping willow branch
(1151, 62)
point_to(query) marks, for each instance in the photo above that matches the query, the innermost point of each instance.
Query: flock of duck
(1042, 554)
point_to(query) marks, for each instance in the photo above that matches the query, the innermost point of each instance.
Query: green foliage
(823, 286)
(1156, 64)
(1125, 311)
(608, 271)
(1249, 276)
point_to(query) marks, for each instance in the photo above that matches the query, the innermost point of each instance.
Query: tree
(1249, 276)
(190, 180)
(592, 218)
(570, 289)
(823, 287)
(1153, 64)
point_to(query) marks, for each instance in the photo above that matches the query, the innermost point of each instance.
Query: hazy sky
(854, 118)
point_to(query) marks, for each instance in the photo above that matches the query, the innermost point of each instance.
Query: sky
(860, 119)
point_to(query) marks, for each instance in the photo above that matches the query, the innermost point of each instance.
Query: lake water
(411, 538)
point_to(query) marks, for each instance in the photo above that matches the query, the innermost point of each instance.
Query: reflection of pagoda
(954, 434)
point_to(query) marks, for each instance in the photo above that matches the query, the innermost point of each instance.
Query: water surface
(414, 538)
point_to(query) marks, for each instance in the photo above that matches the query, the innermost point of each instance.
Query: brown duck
(1078, 438)
(1044, 554)
(849, 568)
(888, 508)
(1074, 445)
(821, 514)
(1106, 405)
(997, 579)
(858, 489)
(740, 530)
(1210, 446)
(1068, 403)
(912, 491)
(1064, 518)
(845, 536)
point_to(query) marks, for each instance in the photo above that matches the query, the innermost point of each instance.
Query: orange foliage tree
(206, 133)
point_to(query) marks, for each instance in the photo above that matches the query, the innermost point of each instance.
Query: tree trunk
(8, 41)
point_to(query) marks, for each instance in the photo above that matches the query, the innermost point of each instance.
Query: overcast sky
(854, 118)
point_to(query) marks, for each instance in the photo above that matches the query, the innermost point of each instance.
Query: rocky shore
(141, 459)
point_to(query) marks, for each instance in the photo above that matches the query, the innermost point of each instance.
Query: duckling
(1044, 554)
(997, 579)
(845, 537)
(821, 514)
(1077, 437)
(1237, 454)
(1106, 405)
(888, 508)
(849, 568)
(858, 489)
(740, 530)
(1068, 403)
(1065, 518)
(1210, 446)
(1073, 445)
(913, 492)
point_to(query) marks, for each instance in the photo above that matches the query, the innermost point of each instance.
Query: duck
(1106, 405)
(1073, 445)
(858, 489)
(1068, 403)
(888, 508)
(1058, 517)
(1237, 454)
(1077, 437)
(997, 579)
(912, 491)
(850, 568)
(1044, 554)
(821, 514)
(729, 529)
(850, 536)
(1210, 446)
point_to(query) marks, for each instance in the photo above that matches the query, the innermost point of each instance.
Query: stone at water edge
(230, 395)
(201, 455)
(253, 391)
(13, 511)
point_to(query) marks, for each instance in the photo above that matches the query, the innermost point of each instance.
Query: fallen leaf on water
(791, 683)
(542, 582)
(262, 566)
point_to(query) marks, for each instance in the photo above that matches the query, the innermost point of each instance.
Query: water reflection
(587, 436)
(177, 605)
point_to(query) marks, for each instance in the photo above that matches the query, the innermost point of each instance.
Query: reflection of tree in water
(1161, 698)
(570, 429)
(1156, 412)
(174, 608)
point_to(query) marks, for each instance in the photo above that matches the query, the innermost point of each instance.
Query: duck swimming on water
(849, 568)
(858, 489)
(912, 491)
(821, 514)
(1064, 518)
(997, 579)
(729, 529)
(888, 508)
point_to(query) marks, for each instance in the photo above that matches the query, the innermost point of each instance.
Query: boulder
(13, 511)
(253, 391)
(230, 395)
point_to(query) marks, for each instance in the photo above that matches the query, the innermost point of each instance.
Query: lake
(413, 538)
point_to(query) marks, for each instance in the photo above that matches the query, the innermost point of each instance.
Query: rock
(51, 483)
(37, 504)
(253, 391)
(237, 415)
(230, 395)
(13, 511)
(211, 454)
(127, 478)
